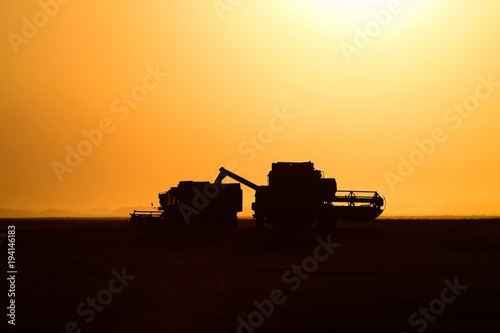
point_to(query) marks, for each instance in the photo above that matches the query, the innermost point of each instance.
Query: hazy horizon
(246, 213)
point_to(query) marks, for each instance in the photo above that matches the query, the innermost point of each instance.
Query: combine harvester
(297, 195)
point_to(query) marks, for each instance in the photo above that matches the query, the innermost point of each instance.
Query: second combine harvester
(297, 195)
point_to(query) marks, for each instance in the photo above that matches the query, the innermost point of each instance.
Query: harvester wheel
(229, 221)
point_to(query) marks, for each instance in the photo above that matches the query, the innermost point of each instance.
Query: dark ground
(201, 281)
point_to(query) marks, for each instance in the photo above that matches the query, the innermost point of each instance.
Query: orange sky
(181, 88)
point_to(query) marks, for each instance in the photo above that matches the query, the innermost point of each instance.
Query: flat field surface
(201, 281)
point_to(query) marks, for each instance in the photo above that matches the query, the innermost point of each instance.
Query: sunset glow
(106, 104)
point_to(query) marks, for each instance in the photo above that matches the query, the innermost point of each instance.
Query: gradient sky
(349, 85)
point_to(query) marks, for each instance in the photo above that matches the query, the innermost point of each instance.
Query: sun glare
(346, 12)
(332, 6)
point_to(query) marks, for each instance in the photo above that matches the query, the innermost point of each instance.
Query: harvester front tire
(230, 222)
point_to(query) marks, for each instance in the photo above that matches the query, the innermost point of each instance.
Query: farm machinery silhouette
(297, 195)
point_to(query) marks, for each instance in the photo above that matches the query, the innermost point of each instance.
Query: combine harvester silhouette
(297, 195)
